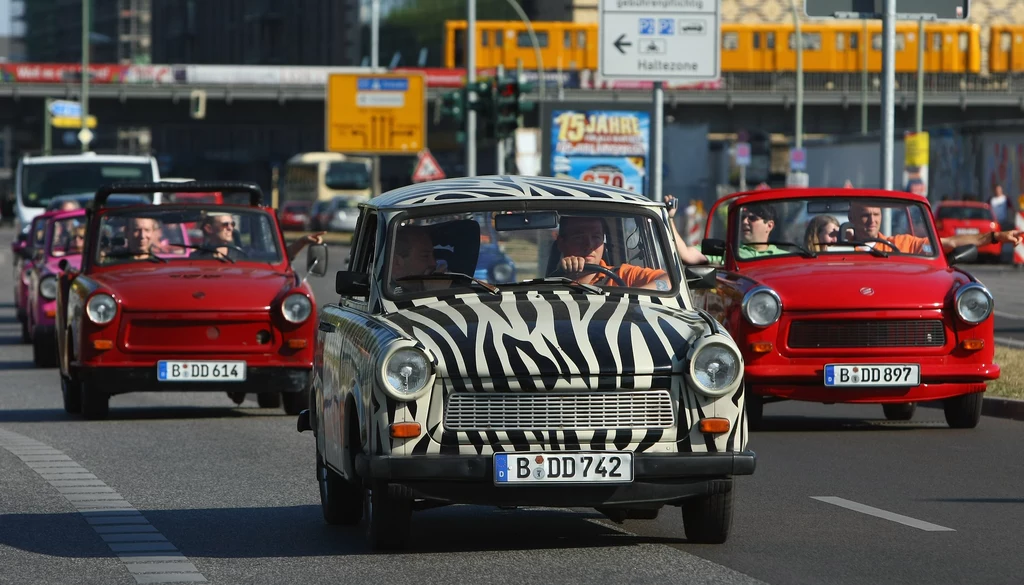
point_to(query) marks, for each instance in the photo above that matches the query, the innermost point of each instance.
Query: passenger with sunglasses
(219, 239)
(756, 224)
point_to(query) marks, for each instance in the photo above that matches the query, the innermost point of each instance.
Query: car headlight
(296, 308)
(406, 373)
(762, 306)
(973, 303)
(101, 309)
(501, 273)
(715, 367)
(48, 287)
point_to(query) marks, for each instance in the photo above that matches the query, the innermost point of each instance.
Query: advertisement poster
(915, 163)
(602, 146)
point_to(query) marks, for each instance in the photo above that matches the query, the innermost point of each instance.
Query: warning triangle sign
(427, 168)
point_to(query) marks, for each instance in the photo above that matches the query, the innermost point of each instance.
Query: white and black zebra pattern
(486, 187)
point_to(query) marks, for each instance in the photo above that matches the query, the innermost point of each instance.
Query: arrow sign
(620, 42)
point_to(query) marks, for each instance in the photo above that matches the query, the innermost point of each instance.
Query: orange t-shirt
(908, 244)
(635, 276)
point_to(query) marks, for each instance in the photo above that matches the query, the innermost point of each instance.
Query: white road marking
(884, 514)
(146, 553)
(1006, 315)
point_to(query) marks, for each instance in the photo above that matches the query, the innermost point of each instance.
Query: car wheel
(387, 511)
(72, 398)
(904, 411)
(707, 518)
(95, 403)
(269, 399)
(340, 499)
(44, 351)
(294, 402)
(963, 412)
(755, 410)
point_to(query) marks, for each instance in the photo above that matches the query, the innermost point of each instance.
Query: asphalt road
(229, 492)
(1006, 283)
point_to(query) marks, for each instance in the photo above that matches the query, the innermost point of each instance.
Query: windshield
(964, 212)
(172, 233)
(44, 181)
(814, 226)
(568, 249)
(68, 236)
(347, 176)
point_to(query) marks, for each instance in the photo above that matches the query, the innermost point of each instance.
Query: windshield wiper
(803, 251)
(590, 288)
(213, 252)
(453, 276)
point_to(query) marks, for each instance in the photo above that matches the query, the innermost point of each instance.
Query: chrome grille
(649, 409)
(831, 334)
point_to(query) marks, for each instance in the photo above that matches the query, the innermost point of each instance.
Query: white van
(41, 178)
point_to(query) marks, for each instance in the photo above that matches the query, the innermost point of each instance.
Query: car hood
(196, 289)
(825, 285)
(551, 337)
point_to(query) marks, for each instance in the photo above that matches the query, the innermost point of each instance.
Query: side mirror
(701, 277)
(352, 284)
(712, 247)
(963, 254)
(316, 259)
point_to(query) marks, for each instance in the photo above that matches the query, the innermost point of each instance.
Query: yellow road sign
(67, 122)
(376, 113)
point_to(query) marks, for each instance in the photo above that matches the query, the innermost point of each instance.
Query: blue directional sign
(65, 109)
(377, 84)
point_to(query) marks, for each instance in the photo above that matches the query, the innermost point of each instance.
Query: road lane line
(146, 553)
(884, 514)
(1006, 315)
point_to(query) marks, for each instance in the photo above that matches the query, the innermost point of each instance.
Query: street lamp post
(84, 133)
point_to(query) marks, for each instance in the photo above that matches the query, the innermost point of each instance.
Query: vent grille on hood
(651, 409)
(833, 334)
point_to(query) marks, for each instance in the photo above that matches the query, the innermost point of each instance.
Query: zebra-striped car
(587, 381)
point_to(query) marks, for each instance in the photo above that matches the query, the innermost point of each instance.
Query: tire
(44, 351)
(707, 519)
(70, 393)
(387, 511)
(340, 500)
(903, 411)
(963, 412)
(269, 399)
(295, 402)
(754, 404)
(95, 403)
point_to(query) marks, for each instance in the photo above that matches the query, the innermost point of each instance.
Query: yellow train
(829, 47)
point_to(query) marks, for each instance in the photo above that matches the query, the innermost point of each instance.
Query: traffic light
(453, 105)
(509, 105)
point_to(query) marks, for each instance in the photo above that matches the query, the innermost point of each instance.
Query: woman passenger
(821, 231)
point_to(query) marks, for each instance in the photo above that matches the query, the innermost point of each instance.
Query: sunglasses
(229, 224)
(751, 217)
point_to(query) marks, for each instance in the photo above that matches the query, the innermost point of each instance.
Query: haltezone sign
(660, 40)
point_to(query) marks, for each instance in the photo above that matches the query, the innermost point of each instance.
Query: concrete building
(120, 31)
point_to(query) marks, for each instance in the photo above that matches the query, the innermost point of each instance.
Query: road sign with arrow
(666, 41)
(376, 113)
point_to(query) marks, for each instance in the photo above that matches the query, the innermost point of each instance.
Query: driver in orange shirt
(581, 241)
(867, 223)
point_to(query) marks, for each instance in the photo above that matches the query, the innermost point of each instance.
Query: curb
(1008, 408)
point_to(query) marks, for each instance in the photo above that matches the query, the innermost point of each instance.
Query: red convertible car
(850, 296)
(62, 244)
(153, 309)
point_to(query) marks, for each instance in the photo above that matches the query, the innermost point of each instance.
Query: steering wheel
(589, 268)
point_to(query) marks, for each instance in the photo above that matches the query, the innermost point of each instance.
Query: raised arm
(689, 255)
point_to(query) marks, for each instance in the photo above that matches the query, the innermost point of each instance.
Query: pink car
(63, 239)
(24, 249)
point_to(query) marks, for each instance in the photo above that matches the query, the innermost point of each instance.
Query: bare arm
(687, 254)
(1012, 236)
(295, 247)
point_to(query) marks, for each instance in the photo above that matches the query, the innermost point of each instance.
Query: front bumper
(657, 479)
(114, 380)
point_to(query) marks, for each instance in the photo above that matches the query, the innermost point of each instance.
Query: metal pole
(865, 46)
(888, 90)
(470, 78)
(799, 76)
(85, 70)
(500, 144)
(47, 128)
(375, 63)
(743, 177)
(919, 102)
(657, 131)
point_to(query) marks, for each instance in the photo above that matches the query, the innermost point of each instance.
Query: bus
(323, 176)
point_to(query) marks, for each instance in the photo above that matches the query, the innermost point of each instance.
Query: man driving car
(581, 240)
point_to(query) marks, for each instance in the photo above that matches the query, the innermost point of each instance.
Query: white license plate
(861, 375)
(173, 371)
(563, 467)
(961, 231)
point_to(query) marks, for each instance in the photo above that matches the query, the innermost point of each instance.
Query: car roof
(767, 195)
(963, 204)
(503, 188)
(85, 157)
